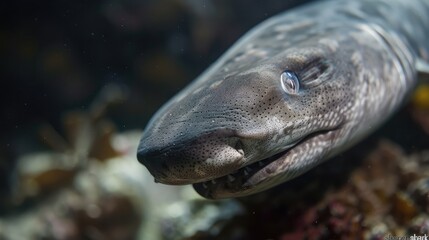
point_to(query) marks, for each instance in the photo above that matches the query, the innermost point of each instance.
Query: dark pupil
(291, 83)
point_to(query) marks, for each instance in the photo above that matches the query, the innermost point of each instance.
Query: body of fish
(297, 89)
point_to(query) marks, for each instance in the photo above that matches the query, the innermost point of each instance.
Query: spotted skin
(235, 131)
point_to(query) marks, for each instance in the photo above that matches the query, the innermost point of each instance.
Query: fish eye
(290, 82)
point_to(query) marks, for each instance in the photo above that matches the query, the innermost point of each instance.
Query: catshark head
(263, 115)
(245, 130)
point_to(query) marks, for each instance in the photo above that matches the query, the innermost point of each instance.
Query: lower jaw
(233, 184)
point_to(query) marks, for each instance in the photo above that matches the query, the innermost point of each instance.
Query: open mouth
(238, 181)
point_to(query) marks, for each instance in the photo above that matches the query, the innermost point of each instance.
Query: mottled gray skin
(234, 131)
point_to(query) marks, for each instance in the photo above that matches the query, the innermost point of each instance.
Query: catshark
(296, 90)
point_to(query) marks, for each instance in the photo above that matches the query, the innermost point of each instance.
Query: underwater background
(81, 80)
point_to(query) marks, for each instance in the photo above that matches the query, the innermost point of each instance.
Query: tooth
(240, 151)
(248, 169)
(204, 185)
(213, 181)
(231, 178)
(245, 172)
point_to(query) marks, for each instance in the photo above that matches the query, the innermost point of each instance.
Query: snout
(154, 160)
(198, 160)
